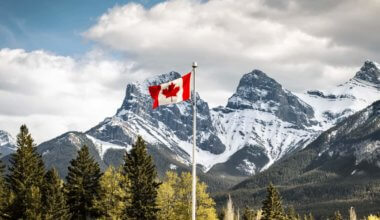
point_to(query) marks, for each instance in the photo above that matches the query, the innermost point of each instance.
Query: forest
(131, 191)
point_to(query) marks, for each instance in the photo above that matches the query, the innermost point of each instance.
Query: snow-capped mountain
(166, 127)
(261, 123)
(7, 144)
(335, 104)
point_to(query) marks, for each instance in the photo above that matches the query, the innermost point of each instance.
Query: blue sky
(54, 26)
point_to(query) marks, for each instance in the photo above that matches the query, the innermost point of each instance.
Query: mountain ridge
(261, 123)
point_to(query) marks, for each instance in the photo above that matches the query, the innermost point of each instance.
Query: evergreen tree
(3, 191)
(113, 194)
(272, 207)
(33, 204)
(249, 214)
(337, 216)
(292, 214)
(25, 178)
(141, 172)
(82, 186)
(53, 197)
(174, 199)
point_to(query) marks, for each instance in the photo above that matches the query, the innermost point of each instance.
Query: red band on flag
(154, 92)
(186, 86)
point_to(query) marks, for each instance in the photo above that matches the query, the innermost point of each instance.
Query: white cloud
(53, 94)
(229, 38)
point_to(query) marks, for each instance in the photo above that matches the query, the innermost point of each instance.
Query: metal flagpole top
(195, 65)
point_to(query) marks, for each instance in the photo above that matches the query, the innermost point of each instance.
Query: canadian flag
(171, 92)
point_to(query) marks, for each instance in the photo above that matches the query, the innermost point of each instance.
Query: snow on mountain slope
(264, 120)
(335, 104)
(7, 144)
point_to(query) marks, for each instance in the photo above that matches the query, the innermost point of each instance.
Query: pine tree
(82, 186)
(174, 199)
(113, 194)
(337, 216)
(292, 215)
(3, 191)
(249, 214)
(53, 197)
(25, 177)
(272, 207)
(141, 172)
(33, 204)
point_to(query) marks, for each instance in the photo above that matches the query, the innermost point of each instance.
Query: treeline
(272, 209)
(131, 191)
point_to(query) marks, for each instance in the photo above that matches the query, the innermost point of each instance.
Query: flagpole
(194, 200)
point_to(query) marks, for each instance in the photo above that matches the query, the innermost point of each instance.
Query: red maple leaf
(170, 91)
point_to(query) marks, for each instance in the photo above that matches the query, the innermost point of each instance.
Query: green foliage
(141, 172)
(249, 214)
(113, 194)
(373, 217)
(25, 178)
(174, 198)
(33, 203)
(83, 186)
(292, 214)
(272, 207)
(3, 191)
(53, 197)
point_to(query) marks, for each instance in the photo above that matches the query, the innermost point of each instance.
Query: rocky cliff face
(369, 73)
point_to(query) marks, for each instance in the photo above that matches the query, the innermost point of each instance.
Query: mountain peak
(369, 72)
(162, 78)
(7, 143)
(137, 92)
(5, 137)
(258, 91)
(254, 86)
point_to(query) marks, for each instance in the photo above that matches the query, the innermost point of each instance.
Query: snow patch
(102, 147)
(247, 167)
(172, 167)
